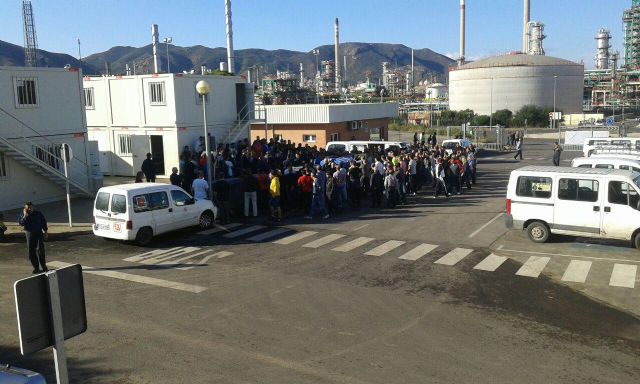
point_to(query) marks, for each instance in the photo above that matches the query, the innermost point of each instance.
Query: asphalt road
(425, 293)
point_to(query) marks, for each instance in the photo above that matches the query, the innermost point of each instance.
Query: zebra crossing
(189, 257)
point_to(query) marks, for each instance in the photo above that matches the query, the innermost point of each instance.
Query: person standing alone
(35, 229)
(518, 148)
(557, 151)
(149, 169)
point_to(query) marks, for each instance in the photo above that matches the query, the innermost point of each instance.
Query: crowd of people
(308, 181)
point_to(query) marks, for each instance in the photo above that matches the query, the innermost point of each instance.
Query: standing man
(557, 151)
(518, 148)
(222, 189)
(250, 187)
(35, 229)
(274, 193)
(175, 178)
(149, 169)
(200, 187)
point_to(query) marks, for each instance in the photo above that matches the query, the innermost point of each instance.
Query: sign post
(50, 309)
(67, 155)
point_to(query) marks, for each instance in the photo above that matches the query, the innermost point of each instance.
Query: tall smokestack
(525, 26)
(462, 22)
(337, 59)
(227, 13)
(155, 40)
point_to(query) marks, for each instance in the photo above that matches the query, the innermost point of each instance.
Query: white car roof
(137, 187)
(571, 170)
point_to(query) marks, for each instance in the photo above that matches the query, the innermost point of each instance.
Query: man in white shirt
(200, 187)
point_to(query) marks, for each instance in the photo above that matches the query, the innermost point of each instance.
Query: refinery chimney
(155, 41)
(337, 59)
(525, 26)
(227, 13)
(462, 26)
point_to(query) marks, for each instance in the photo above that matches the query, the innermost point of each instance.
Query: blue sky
(493, 26)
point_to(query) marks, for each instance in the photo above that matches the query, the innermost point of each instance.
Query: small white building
(41, 108)
(130, 116)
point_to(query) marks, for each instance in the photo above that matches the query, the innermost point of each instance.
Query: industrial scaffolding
(631, 20)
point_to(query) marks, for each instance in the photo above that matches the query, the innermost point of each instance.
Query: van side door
(184, 209)
(162, 211)
(577, 207)
(621, 216)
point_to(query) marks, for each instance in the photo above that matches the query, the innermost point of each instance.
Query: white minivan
(606, 163)
(140, 211)
(594, 145)
(451, 144)
(590, 202)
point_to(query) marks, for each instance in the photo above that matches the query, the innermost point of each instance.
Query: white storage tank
(436, 91)
(512, 81)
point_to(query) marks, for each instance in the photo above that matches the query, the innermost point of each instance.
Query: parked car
(143, 210)
(597, 161)
(451, 144)
(13, 375)
(600, 203)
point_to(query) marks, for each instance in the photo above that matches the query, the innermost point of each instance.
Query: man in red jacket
(305, 184)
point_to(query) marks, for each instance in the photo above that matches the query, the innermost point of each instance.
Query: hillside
(13, 55)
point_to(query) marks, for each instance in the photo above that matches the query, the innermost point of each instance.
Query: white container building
(130, 116)
(41, 108)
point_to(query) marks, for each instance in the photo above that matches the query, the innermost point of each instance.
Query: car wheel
(206, 220)
(144, 236)
(538, 232)
(636, 240)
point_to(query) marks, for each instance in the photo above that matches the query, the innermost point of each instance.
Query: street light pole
(203, 88)
(553, 119)
(491, 106)
(167, 41)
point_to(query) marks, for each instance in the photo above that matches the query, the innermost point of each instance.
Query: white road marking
(169, 255)
(295, 237)
(454, 256)
(384, 248)
(353, 244)
(360, 227)
(541, 158)
(485, 225)
(219, 228)
(323, 240)
(623, 275)
(490, 263)
(572, 256)
(418, 252)
(150, 254)
(180, 260)
(135, 278)
(266, 235)
(577, 271)
(533, 267)
(218, 255)
(244, 231)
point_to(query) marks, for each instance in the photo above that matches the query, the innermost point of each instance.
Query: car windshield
(636, 181)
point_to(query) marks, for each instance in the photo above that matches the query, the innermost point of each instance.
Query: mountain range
(362, 59)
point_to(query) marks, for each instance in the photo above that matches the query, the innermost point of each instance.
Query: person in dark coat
(557, 151)
(35, 229)
(149, 169)
(175, 178)
(377, 187)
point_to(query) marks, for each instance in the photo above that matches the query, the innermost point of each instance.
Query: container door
(140, 146)
(577, 207)
(620, 210)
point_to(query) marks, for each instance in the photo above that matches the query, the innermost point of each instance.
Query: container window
(26, 92)
(533, 186)
(87, 98)
(156, 93)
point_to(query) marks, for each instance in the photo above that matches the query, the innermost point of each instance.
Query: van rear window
(119, 204)
(533, 186)
(102, 201)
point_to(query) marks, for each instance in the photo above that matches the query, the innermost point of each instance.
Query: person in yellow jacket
(274, 191)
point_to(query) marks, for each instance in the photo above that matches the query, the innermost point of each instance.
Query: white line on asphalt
(219, 228)
(541, 158)
(384, 248)
(323, 240)
(180, 260)
(577, 271)
(418, 252)
(155, 252)
(533, 267)
(135, 278)
(360, 227)
(623, 275)
(244, 231)
(266, 235)
(486, 225)
(170, 255)
(490, 263)
(353, 244)
(295, 237)
(454, 256)
(572, 256)
(217, 255)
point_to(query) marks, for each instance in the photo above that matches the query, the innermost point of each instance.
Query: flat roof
(577, 171)
(329, 113)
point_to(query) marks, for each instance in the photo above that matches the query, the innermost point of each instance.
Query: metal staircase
(37, 152)
(47, 168)
(241, 127)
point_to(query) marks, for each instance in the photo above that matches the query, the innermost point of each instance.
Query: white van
(451, 144)
(601, 203)
(140, 211)
(341, 147)
(593, 144)
(606, 163)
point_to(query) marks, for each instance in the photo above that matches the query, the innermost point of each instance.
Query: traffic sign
(609, 121)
